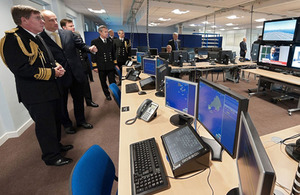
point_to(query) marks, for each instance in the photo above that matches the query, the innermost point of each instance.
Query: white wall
(142, 29)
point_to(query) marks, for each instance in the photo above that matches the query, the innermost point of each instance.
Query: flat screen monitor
(165, 55)
(296, 58)
(179, 56)
(279, 30)
(274, 55)
(142, 48)
(133, 51)
(225, 56)
(219, 111)
(153, 51)
(180, 95)
(254, 52)
(139, 56)
(149, 66)
(213, 55)
(255, 171)
(162, 70)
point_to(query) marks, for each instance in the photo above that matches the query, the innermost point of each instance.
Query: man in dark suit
(123, 50)
(103, 60)
(67, 24)
(175, 42)
(35, 74)
(243, 48)
(63, 44)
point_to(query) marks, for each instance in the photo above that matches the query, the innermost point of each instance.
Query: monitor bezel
(187, 82)
(166, 64)
(261, 157)
(151, 59)
(153, 49)
(278, 20)
(133, 49)
(292, 52)
(243, 106)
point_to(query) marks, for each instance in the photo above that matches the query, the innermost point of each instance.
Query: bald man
(63, 44)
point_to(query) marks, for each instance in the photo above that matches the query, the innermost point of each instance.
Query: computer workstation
(161, 126)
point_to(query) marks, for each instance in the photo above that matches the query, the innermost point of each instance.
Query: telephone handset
(132, 75)
(146, 111)
(128, 63)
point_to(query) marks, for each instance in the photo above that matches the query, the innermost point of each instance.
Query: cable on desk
(131, 121)
(284, 188)
(188, 176)
(288, 138)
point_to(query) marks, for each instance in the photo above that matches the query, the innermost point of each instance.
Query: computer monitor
(254, 52)
(133, 51)
(219, 111)
(165, 55)
(178, 57)
(162, 70)
(142, 48)
(213, 55)
(295, 62)
(255, 171)
(180, 95)
(274, 55)
(225, 56)
(153, 51)
(149, 66)
(188, 49)
(138, 56)
(163, 49)
(279, 30)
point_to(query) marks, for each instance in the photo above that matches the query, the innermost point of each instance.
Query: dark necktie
(104, 40)
(50, 56)
(176, 45)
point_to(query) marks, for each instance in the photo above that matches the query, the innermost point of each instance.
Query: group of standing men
(47, 65)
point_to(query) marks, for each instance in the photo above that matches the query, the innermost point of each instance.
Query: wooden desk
(223, 174)
(285, 167)
(290, 81)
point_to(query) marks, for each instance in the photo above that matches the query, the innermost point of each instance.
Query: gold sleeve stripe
(94, 64)
(44, 74)
(115, 61)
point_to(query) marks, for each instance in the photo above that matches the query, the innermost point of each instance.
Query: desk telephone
(132, 75)
(146, 111)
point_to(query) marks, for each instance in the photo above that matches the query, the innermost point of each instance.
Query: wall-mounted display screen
(282, 30)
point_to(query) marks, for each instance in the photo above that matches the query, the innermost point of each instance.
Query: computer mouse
(142, 93)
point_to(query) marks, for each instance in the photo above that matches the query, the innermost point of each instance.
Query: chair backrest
(94, 173)
(116, 93)
(119, 72)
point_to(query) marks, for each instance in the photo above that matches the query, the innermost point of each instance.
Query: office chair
(116, 93)
(94, 173)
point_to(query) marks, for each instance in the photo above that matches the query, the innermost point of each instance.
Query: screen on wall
(271, 54)
(282, 30)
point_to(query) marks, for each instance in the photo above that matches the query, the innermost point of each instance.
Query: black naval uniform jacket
(123, 50)
(104, 58)
(67, 56)
(35, 83)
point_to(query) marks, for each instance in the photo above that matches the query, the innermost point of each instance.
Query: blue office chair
(94, 173)
(118, 72)
(116, 93)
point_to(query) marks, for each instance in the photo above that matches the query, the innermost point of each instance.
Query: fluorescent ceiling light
(232, 17)
(236, 28)
(193, 25)
(205, 22)
(229, 24)
(177, 11)
(259, 26)
(101, 11)
(164, 19)
(260, 20)
(153, 24)
(214, 26)
(222, 29)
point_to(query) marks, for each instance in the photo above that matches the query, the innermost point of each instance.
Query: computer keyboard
(131, 88)
(147, 170)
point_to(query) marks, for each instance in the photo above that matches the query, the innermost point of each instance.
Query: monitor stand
(160, 94)
(234, 191)
(179, 119)
(292, 151)
(216, 148)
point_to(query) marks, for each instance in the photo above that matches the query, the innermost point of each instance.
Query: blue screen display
(139, 56)
(279, 30)
(181, 95)
(149, 66)
(159, 62)
(218, 112)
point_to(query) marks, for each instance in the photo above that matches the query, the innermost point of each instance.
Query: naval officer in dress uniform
(103, 61)
(35, 72)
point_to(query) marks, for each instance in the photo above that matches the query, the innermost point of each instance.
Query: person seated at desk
(169, 49)
(273, 55)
